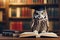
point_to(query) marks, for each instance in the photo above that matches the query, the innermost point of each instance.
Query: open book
(29, 34)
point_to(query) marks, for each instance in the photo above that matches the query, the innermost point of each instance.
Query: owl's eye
(41, 13)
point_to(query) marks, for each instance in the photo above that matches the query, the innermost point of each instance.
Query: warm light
(4, 1)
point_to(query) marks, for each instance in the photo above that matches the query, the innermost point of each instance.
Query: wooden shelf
(35, 5)
(2, 8)
(20, 19)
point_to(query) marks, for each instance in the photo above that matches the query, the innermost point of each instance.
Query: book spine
(24, 1)
(13, 26)
(52, 11)
(41, 1)
(21, 26)
(22, 12)
(1, 17)
(29, 2)
(49, 1)
(18, 1)
(13, 12)
(25, 12)
(51, 23)
(26, 25)
(9, 12)
(56, 12)
(57, 1)
(45, 1)
(28, 12)
(1, 3)
(18, 12)
(34, 1)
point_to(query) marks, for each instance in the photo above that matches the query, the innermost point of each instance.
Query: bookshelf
(51, 5)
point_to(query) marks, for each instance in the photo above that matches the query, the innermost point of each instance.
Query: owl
(40, 21)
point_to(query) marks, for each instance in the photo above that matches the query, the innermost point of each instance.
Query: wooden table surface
(14, 38)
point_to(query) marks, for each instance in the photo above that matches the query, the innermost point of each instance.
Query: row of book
(34, 1)
(53, 12)
(26, 25)
(52, 1)
(24, 12)
(20, 12)
(2, 3)
(20, 25)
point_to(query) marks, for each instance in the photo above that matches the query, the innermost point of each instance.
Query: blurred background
(17, 14)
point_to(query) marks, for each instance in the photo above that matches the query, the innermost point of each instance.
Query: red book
(29, 12)
(13, 26)
(25, 12)
(22, 12)
(17, 28)
(29, 2)
(38, 2)
(41, 1)
(21, 26)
